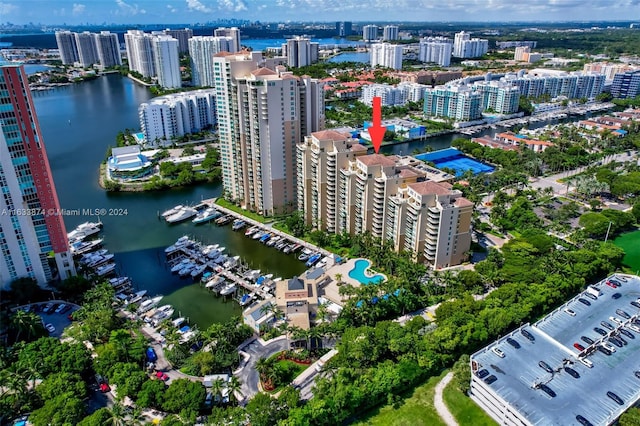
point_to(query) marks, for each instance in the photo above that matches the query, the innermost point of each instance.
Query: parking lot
(59, 321)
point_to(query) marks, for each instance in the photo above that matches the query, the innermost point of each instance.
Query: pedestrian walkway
(438, 402)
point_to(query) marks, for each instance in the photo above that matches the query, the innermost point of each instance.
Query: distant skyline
(74, 12)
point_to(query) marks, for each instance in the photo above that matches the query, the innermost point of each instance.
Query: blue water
(357, 273)
(351, 57)
(262, 43)
(453, 159)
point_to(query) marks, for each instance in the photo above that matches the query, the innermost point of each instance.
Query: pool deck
(344, 270)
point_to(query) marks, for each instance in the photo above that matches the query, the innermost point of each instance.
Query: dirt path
(438, 402)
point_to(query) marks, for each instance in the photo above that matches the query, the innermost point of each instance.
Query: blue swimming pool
(456, 160)
(357, 273)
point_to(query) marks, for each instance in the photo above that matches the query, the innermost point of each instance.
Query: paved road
(438, 402)
(257, 349)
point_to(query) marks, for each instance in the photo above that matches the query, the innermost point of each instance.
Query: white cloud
(78, 9)
(127, 9)
(195, 5)
(237, 6)
(171, 9)
(7, 9)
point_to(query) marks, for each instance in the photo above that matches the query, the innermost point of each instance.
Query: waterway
(350, 57)
(262, 43)
(79, 122)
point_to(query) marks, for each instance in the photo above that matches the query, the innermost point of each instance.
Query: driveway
(257, 349)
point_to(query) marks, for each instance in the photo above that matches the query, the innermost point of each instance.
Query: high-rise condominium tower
(140, 53)
(232, 32)
(33, 238)
(201, 51)
(182, 36)
(167, 61)
(386, 55)
(262, 114)
(66, 41)
(300, 52)
(108, 49)
(87, 50)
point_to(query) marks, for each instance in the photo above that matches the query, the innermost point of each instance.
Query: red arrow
(376, 131)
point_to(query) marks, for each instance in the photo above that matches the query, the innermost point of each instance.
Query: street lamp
(608, 229)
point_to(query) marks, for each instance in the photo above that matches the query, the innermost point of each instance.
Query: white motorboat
(252, 275)
(187, 269)
(198, 270)
(246, 299)
(149, 304)
(209, 248)
(82, 247)
(172, 211)
(136, 297)
(232, 262)
(118, 281)
(99, 260)
(184, 214)
(86, 258)
(249, 232)
(216, 252)
(273, 241)
(181, 242)
(305, 254)
(206, 215)
(84, 230)
(258, 235)
(238, 224)
(161, 310)
(178, 322)
(105, 269)
(178, 266)
(217, 280)
(228, 289)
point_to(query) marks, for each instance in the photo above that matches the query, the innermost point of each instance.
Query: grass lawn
(417, 409)
(630, 243)
(464, 409)
(259, 218)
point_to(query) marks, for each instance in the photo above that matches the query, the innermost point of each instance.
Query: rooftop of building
(519, 370)
(378, 160)
(429, 187)
(263, 72)
(333, 135)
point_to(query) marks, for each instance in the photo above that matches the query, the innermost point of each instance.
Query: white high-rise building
(140, 53)
(393, 95)
(201, 51)
(370, 32)
(300, 52)
(33, 238)
(436, 50)
(390, 33)
(167, 61)
(386, 55)
(66, 41)
(182, 36)
(232, 32)
(87, 50)
(519, 55)
(262, 115)
(466, 47)
(108, 49)
(165, 118)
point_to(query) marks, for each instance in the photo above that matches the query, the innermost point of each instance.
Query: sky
(72, 12)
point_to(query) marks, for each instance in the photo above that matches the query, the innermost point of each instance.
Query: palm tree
(234, 385)
(26, 322)
(216, 389)
(118, 414)
(263, 366)
(338, 278)
(323, 310)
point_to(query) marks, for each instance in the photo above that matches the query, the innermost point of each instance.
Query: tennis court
(453, 159)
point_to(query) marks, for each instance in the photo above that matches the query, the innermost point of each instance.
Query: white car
(50, 328)
(570, 312)
(608, 346)
(616, 320)
(60, 308)
(498, 352)
(633, 327)
(586, 362)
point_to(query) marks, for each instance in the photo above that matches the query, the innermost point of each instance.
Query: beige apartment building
(396, 198)
(263, 113)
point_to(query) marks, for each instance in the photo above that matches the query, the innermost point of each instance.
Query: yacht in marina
(206, 215)
(181, 242)
(178, 266)
(198, 270)
(136, 297)
(183, 214)
(172, 211)
(105, 269)
(238, 224)
(84, 230)
(99, 260)
(82, 247)
(149, 304)
(249, 232)
(228, 289)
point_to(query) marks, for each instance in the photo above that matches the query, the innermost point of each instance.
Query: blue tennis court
(453, 159)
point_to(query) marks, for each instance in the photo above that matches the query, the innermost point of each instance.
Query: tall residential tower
(262, 114)
(33, 238)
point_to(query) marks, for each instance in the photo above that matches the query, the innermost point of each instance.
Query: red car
(578, 346)
(612, 285)
(162, 376)
(104, 388)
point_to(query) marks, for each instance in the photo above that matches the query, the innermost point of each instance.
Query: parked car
(47, 308)
(104, 387)
(50, 328)
(490, 379)
(66, 309)
(498, 352)
(573, 373)
(162, 376)
(545, 367)
(587, 340)
(600, 331)
(616, 296)
(528, 335)
(546, 389)
(584, 301)
(583, 421)
(60, 308)
(483, 373)
(578, 346)
(570, 312)
(623, 314)
(615, 397)
(513, 343)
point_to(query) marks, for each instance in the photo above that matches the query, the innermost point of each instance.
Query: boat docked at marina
(313, 259)
(238, 224)
(186, 270)
(82, 247)
(180, 243)
(178, 322)
(148, 304)
(198, 270)
(305, 254)
(183, 214)
(88, 257)
(228, 289)
(214, 282)
(84, 230)
(173, 210)
(179, 265)
(106, 269)
(99, 260)
(259, 234)
(245, 299)
(136, 297)
(249, 232)
(119, 281)
(206, 215)
(224, 220)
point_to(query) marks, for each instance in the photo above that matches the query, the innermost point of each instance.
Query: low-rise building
(297, 297)
(259, 315)
(129, 163)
